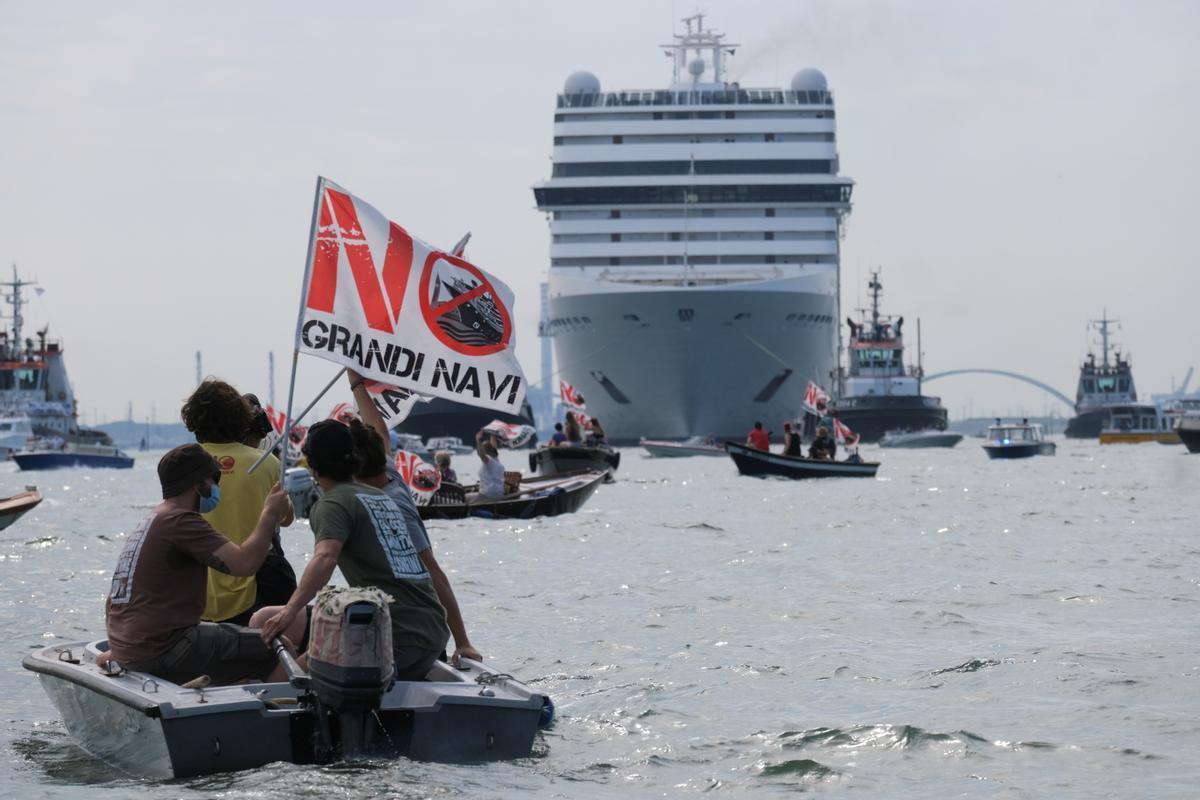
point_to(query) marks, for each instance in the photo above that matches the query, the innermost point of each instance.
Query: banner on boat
(509, 434)
(423, 478)
(278, 420)
(401, 312)
(815, 399)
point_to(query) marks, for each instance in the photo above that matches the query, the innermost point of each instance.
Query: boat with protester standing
(762, 463)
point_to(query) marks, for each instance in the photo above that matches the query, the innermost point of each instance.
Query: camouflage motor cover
(334, 642)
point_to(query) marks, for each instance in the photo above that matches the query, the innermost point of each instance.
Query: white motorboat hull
(151, 727)
(664, 449)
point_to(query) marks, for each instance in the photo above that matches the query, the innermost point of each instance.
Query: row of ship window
(694, 138)
(677, 236)
(736, 212)
(658, 261)
(703, 97)
(610, 116)
(684, 315)
(631, 195)
(773, 166)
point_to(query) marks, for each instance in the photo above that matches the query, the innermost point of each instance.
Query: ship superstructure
(36, 397)
(878, 392)
(695, 241)
(1102, 384)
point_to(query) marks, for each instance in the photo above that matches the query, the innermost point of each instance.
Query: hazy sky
(1020, 167)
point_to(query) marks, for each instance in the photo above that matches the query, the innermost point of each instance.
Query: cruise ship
(695, 240)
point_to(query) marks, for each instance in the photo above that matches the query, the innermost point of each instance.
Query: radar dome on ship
(696, 67)
(581, 82)
(809, 80)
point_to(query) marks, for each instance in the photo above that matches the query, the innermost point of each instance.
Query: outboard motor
(299, 484)
(350, 664)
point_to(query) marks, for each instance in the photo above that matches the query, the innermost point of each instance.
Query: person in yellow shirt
(221, 419)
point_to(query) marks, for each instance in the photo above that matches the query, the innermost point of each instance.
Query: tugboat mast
(1102, 326)
(14, 299)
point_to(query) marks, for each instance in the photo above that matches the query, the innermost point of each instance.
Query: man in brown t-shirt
(160, 585)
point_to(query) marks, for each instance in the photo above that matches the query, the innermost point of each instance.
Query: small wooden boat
(915, 439)
(13, 508)
(573, 457)
(695, 446)
(1017, 441)
(544, 496)
(751, 461)
(72, 454)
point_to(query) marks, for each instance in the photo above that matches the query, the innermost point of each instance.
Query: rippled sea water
(955, 628)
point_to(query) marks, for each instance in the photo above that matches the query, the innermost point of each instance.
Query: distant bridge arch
(1050, 390)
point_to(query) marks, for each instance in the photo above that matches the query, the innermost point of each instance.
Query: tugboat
(878, 394)
(1101, 386)
(36, 399)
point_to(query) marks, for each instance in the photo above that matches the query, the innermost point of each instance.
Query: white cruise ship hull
(673, 362)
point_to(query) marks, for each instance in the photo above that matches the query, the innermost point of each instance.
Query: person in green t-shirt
(360, 530)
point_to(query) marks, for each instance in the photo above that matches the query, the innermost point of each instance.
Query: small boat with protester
(524, 497)
(14, 507)
(345, 707)
(762, 463)
(1017, 440)
(694, 446)
(56, 453)
(1135, 423)
(918, 439)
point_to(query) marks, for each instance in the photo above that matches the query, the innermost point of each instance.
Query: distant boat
(915, 439)
(695, 446)
(1139, 422)
(1017, 440)
(43, 455)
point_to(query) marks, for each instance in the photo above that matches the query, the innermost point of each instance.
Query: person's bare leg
(295, 630)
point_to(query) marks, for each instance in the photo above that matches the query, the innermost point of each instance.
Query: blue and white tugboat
(37, 402)
(1017, 440)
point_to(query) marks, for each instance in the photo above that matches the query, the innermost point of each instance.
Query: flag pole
(308, 262)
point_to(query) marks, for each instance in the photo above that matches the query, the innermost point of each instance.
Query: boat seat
(449, 494)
